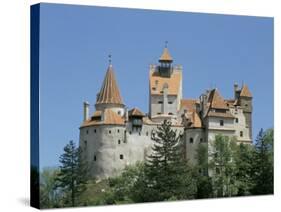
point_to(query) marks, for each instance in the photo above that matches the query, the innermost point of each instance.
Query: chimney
(86, 111)
(236, 91)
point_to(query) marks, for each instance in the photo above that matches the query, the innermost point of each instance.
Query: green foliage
(73, 175)
(166, 171)
(262, 167)
(124, 187)
(50, 196)
(204, 187)
(244, 161)
(223, 168)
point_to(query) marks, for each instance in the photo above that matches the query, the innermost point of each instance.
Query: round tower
(103, 135)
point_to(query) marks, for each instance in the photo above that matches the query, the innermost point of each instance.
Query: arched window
(191, 140)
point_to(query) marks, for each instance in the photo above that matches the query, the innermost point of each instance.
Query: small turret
(236, 91)
(165, 67)
(245, 101)
(86, 111)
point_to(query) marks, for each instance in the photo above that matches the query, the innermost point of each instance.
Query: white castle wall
(240, 125)
(106, 144)
(193, 137)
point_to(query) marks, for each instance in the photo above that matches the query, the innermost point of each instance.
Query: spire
(245, 92)
(109, 92)
(166, 57)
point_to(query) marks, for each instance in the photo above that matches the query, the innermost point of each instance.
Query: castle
(115, 136)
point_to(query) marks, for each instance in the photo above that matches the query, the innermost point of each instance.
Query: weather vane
(166, 44)
(109, 59)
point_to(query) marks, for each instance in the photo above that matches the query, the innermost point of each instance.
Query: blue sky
(214, 50)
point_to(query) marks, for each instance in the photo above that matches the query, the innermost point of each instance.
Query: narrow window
(109, 131)
(130, 132)
(241, 133)
(139, 133)
(87, 131)
(95, 130)
(85, 142)
(236, 120)
(121, 157)
(201, 140)
(95, 158)
(221, 123)
(119, 142)
(191, 140)
(118, 130)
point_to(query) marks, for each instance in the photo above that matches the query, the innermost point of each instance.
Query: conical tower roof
(109, 92)
(245, 92)
(166, 55)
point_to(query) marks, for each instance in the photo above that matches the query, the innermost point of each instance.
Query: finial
(109, 59)
(166, 44)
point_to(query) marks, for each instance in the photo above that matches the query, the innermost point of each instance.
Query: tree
(263, 163)
(124, 187)
(167, 174)
(50, 196)
(244, 161)
(223, 167)
(203, 181)
(73, 174)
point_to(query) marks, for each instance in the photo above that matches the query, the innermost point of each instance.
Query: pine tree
(262, 173)
(73, 174)
(167, 173)
(244, 161)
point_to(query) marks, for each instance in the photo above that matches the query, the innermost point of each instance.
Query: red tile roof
(245, 92)
(189, 104)
(166, 55)
(109, 118)
(157, 82)
(216, 100)
(135, 112)
(109, 92)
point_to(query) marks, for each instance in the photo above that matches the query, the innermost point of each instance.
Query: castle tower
(165, 88)
(109, 96)
(245, 101)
